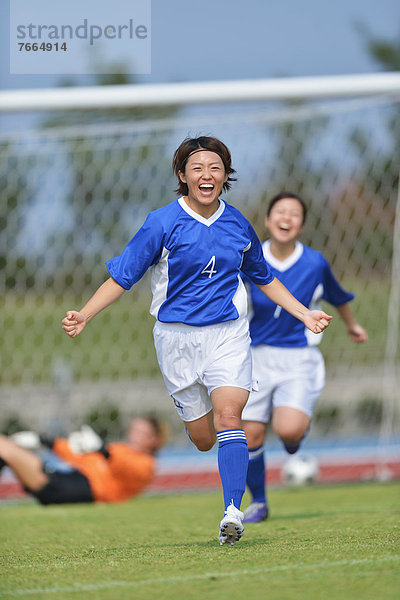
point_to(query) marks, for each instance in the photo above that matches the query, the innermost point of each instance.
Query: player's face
(285, 222)
(142, 437)
(204, 175)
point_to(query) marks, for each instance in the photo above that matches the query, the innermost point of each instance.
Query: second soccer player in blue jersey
(196, 247)
(287, 365)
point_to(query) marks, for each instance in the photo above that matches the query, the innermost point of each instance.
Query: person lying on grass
(83, 468)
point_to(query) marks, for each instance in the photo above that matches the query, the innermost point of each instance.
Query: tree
(386, 53)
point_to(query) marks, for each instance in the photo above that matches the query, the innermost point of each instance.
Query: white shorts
(292, 377)
(194, 361)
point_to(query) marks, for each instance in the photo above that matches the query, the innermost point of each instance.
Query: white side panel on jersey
(313, 339)
(250, 309)
(159, 282)
(239, 299)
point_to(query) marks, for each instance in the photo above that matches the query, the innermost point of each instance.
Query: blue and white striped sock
(233, 460)
(256, 474)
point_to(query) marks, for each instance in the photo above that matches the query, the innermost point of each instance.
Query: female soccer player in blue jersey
(196, 247)
(287, 364)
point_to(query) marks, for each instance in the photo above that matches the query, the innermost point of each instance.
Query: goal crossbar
(123, 96)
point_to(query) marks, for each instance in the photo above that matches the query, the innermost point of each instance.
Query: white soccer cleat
(231, 527)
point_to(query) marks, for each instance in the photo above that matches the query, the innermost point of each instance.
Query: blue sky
(240, 39)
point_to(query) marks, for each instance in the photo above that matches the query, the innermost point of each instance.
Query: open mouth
(206, 188)
(284, 227)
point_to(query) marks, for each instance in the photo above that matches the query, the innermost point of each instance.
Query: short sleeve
(333, 291)
(139, 254)
(254, 265)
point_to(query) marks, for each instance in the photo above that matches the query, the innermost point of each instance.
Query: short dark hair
(155, 423)
(283, 195)
(190, 145)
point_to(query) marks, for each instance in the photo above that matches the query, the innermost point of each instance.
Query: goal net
(76, 185)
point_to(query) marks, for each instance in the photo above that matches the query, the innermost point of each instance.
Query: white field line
(202, 576)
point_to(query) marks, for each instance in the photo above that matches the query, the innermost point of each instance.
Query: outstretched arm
(315, 320)
(357, 333)
(75, 321)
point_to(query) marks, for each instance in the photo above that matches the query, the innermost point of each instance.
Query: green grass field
(339, 542)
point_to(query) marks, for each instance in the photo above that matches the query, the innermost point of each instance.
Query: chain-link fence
(74, 190)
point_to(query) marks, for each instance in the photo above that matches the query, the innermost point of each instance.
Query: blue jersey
(308, 276)
(195, 263)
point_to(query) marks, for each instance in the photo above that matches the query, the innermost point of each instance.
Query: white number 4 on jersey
(210, 267)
